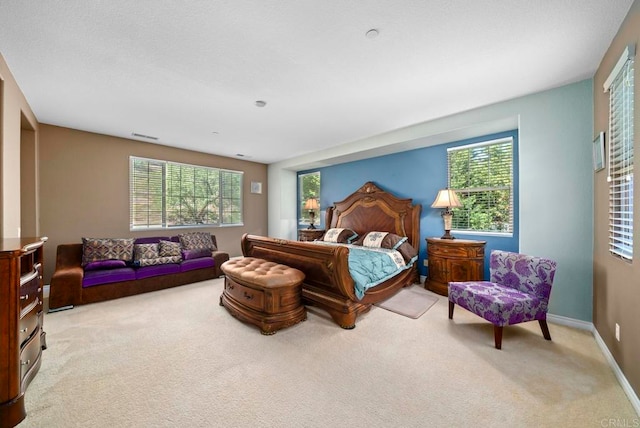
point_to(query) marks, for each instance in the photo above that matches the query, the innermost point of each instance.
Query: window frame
(302, 219)
(161, 199)
(484, 142)
(620, 161)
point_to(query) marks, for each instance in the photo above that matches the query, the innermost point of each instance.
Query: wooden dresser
(453, 260)
(22, 338)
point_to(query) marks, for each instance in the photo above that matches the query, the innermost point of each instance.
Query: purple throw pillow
(195, 254)
(105, 264)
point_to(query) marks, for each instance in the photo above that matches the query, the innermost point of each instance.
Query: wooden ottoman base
(262, 293)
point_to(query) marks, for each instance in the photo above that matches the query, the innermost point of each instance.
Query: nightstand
(453, 260)
(310, 234)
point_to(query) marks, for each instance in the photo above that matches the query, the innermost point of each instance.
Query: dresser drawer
(438, 250)
(30, 354)
(246, 296)
(28, 323)
(29, 289)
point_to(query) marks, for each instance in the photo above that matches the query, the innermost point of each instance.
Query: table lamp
(312, 205)
(446, 199)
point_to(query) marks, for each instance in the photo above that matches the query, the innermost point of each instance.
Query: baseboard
(624, 383)
(570, 322)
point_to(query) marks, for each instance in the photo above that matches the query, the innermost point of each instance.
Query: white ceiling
(189, 73)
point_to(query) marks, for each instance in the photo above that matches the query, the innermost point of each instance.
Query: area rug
(411, 302)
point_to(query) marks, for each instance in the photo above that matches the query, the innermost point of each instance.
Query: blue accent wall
(418, 174)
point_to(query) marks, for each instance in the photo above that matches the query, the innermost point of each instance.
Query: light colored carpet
(175, 358)
(411, 302)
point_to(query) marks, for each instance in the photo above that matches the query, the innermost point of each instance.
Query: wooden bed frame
(328, 283)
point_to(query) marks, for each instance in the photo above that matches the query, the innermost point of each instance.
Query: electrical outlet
(426, 262)
(618, 332)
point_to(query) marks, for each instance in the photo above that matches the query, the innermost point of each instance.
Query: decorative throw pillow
(373, 239)
(169, 249)
(197, 241)
(340, 235)
(145, 251)
(97, 249)
(409, 254)
(105, 264)
(382, 240)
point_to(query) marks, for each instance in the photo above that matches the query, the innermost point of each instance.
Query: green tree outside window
(308, 188)
(482, 176)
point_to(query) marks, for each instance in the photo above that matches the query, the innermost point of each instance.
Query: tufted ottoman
(263, 293)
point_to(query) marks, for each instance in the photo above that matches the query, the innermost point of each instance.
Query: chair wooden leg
(545, 329)
(497, 334)
(451, 306)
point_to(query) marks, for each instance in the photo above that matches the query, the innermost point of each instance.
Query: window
(620, 86)
(167, 194)
(482, 176)
(309, 188)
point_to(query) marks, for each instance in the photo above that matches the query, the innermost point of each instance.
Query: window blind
(620, 162)
(482, 176)
(167, 194)
(146, 184)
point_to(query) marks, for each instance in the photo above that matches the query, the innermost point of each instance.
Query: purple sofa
(72, 284)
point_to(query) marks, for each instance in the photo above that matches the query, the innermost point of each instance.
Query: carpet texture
(175, 358)
(411, 302)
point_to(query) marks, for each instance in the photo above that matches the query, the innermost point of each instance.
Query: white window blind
(482, 176)
(620, 162)
(167, 194)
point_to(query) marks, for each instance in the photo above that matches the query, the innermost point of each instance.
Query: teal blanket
(372, 266)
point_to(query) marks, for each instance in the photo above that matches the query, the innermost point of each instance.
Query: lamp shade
(311, 204)
(446, 198)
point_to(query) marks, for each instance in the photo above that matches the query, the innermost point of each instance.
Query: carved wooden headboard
(372, 209)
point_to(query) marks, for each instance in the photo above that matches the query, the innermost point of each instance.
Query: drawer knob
(231, 287)
(24, 330)
(25, 297)
(247, 296)
(25, 363)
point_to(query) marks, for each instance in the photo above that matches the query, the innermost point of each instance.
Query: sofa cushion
(159, 261)
(105, 264)
(157, 270)
(196, 241)
(193, 264)
(170, 249)
(195, 254)
(97, 277)
(96, 249)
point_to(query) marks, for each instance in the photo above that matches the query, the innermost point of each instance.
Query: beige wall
(616, 288)
(15, 114)
(84, 182)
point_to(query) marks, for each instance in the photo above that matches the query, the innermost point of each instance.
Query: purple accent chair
(518, 291)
